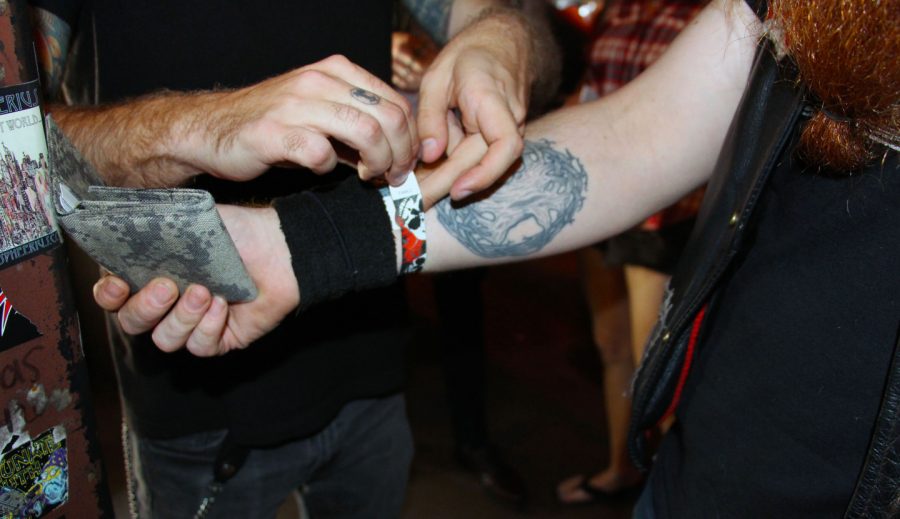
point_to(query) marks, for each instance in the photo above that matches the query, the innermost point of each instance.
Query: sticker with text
(27, 221)
(34, 476)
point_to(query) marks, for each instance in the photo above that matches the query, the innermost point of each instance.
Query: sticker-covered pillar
(49, 458)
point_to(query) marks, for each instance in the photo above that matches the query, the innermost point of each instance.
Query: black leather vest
(762, 126)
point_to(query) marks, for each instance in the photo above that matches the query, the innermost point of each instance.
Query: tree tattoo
(525, 213)
(364, 96)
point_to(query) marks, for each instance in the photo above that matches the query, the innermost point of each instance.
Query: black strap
(340, 240)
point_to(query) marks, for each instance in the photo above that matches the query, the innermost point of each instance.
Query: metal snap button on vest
(735, 217)
(666, 336)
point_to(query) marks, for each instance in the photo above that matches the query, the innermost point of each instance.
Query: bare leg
(608, 302)
(646, 288)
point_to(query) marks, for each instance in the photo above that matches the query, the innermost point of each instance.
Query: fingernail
(429, 147)
(363, 171)
(161, 293)
(218, 306)
(112, 289)
(195, 300)
(463, 194)
(400, 178)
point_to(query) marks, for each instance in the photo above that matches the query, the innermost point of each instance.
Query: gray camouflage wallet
(140, 234)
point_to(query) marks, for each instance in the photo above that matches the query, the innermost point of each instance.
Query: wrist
(200, 130)
(339, 238)
(274, 253)
(529, 47)
(130, 144)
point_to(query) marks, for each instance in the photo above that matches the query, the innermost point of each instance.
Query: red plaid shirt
(628, 37)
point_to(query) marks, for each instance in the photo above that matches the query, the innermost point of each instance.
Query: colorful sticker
(15, 328)
(34, 476)
(27, 221)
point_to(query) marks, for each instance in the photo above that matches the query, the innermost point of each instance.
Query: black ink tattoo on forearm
(364, 96)
(433, 16)
(525, 213)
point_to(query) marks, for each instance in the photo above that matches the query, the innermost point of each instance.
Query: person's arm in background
(495, 62)
(52, 35)
(161, 140)
(165, 138)
(588, 172)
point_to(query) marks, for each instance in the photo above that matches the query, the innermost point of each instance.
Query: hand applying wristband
(406, 211)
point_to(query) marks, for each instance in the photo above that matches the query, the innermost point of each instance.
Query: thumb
(432, 117)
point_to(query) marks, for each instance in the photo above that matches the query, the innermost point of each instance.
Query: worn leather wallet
(140, 234)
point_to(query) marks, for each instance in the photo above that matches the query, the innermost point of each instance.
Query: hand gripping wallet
(140, 234)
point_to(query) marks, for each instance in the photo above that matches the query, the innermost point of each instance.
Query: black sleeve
(67, 10)
(340, 240)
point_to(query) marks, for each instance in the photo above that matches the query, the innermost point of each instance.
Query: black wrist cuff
(340, 240)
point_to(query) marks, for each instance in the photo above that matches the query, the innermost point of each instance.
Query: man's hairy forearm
(141, 142)
(536, 42)
(442, 19)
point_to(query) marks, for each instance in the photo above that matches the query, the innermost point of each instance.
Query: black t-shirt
(294, 381)
(778, 410)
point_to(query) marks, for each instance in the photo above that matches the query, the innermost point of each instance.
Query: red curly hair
(848, 54)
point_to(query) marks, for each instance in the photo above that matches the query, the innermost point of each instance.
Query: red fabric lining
(688, 359)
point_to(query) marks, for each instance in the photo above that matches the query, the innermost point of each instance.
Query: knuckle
(203, 342)
(337, 59)
(394, 118)
(294, 142)
(369, 130)
(517, 146)
(144, 315)
(200, 348)
(163, 341)
(346, 113)
(141, 322)
(519, 112)
(127, 323)
(309, 79)
(373, 83)
(318, 153)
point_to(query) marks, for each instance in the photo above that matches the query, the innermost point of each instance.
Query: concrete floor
(544, 399)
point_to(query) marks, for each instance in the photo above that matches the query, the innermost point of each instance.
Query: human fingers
(406, 59)
(500, 130)
(455, 136)
(148, 306)
(439, 182)
(404, 76)
(348, 123)
(434, 102)
(176, 327)
(317, 99)
(352, 73)
(205, 341)
(455, 132)
(393, 124)
(111, 292)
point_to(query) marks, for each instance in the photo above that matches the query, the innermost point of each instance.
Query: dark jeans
(357, 467)
(643, 509)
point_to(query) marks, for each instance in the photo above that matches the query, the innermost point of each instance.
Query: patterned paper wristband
(406, 211)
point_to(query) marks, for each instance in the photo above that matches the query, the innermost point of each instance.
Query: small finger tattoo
(364, 96)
